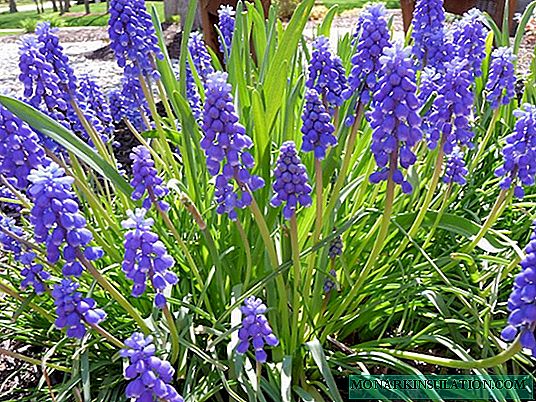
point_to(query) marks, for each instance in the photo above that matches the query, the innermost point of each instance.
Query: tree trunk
(62, 6)
(54, 6)
(182, 11)
(171, 8)
(86, 5)
(67, 5)
(12, 6)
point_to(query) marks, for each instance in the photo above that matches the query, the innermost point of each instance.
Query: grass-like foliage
(294, 213)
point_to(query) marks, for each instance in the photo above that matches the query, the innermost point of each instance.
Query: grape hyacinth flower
(145, 179)
(373, 39)
(57, 219)
(329, 282)
(395, 119)
(522, 302)
(317, 128)
(469, 40)
(291, 185)
(501, 83)
(97, 102)
(7, 242)
(255, 329)
(326, 74)
(133, 38)
(225, 144)
(73, 310)
(150, 376)
(519, 153)
(20, 149)
(335, 248)
(129, 103)
(146, 257)
(428, 31)
(430, 82)
(455, 170)
(226, 24)
(200, 56)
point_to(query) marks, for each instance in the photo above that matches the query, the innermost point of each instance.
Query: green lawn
(75, 17)
(348, 4)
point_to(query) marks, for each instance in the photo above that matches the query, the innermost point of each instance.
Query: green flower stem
(349, 151)
(110, 288)
(23, 200)
(174, 334)
(319, 200)
(489, 362)
(13, 293)
(442, 209)
(143, 142)
(423, 209)
(296, 282)
(106, 335)
(35, 362)
(247, 250)
(483, 146)
(165, 102)
(492, 217)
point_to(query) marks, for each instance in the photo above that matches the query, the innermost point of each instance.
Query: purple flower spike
(129, 103)
(7, 242)
(522, 301)
(146, 257)
(335, 248)
(326, 74)
(469, 39)
(98, 104)
(395, 119)
(133, 38)
(225, 144)
(57, 218)
(145, 179)
(317, 129)
(373, 38)
(226, 24)
(455, 171)
(329, 282)
(150, 376)
(501, 81)
(428, 31)
(255, 329)
(73, 310)
(200, 56)
(519, 153)
(291, 185)
(20, 151)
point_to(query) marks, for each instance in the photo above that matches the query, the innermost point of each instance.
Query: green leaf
(522, 25)
(52, 129)
(286, 378)
(325, 28)
(320, 359)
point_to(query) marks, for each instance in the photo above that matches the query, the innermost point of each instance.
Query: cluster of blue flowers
(133, 38)
(469, 40)
(129, 103)
(428, 31)
(146, 257)
(73, 310)
(501, 83)
(255, 329)
(395, 119)
(330, 281)
(200, 56)
(57, 219)
(317, 128)
(98, 103)
(226, 24)
(150, 376)
(455, 170)
(145, 179)
(225, 143)
(335, 248)
(372, 39)
(519, 153)
(326, 74)
(522, 301)
(291, 185)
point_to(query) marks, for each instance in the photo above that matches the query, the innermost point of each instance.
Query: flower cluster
(150, 375)
(326, 73)
(97, 102)
(519, 153)
(335, 248)
(20, 151)
(291, 185)
(501, 81)
(146, 257)
(317, 129)
(192, 93)
(145, 179)
(200, 56)
(73, 310)
(129, 103)
(57, 219)
(255, 329)
(7, 242)
(133, 38)
(226, 24)
(372, 40)
(225, 143)
(428, 32)
(455, 170)
(430, 82)
(469, 40)
(330, 281)
(522, 301)
(395, 119)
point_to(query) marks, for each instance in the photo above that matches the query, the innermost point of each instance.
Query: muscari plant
(295, 212)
